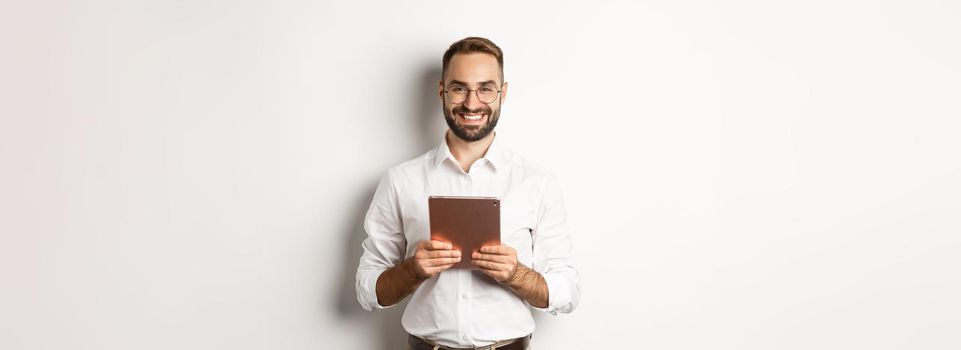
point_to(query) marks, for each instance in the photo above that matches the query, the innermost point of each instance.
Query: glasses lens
(456, 94)
(487, 93)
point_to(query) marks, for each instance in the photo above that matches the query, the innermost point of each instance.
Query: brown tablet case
(467, 223)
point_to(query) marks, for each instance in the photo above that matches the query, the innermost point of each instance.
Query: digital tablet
(467, 223)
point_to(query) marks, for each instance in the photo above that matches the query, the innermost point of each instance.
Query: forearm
(396, 283)
(530, 286)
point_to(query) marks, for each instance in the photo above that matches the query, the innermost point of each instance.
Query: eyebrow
(465, 84)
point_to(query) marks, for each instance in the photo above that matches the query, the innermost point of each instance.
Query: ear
(504, 93)
(440, 90)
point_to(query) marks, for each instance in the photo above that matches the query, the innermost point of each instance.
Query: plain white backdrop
(738, 175)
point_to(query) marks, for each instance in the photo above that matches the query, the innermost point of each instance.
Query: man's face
(472, 119)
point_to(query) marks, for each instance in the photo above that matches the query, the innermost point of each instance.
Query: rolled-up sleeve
(553, 257)
(385, 244)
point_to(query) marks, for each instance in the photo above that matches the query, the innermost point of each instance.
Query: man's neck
(467, 152)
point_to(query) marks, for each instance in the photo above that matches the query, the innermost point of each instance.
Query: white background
(738, 175)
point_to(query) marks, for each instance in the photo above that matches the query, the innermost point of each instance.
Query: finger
(424, 245)
(488, 273)
(488, 256)
(440, 261)
(499, 276)
(492, 257)
(497, 249)
(490, 265)
(437, 245)
(433, 254)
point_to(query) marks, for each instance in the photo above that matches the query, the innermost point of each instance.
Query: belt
(418, 343)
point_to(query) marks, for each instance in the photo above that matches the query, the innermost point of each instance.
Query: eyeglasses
(487, 93)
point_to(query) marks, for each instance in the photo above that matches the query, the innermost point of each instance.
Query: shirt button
(463, 296)
(464, 337)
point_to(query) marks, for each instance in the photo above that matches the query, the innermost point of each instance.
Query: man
(460, 308)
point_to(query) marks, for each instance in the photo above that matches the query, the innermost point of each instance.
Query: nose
(473, 101)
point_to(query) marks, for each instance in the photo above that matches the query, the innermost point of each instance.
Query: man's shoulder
(522, 166)
(411, 166)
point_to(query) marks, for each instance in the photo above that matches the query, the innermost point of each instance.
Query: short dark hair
(471, 45)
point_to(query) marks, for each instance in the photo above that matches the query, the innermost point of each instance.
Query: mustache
(464, 110)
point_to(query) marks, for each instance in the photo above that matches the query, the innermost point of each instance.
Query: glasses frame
(499, 90)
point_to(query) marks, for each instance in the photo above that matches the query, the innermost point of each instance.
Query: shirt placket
(464, 306)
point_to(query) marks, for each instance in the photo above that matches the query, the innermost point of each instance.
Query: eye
(456, 89)
(488, 89)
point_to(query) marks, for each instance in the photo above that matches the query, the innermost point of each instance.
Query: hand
(497, 261)
(432, 257)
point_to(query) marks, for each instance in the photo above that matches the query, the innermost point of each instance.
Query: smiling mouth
(471, 116)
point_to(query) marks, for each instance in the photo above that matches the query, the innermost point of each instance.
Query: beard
(471, 133)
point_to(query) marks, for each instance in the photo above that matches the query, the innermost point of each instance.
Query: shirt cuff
(558, 294)
(367, 290)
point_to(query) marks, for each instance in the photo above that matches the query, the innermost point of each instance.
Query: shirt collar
(495, 154)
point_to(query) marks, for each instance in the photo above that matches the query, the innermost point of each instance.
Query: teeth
(472, 117)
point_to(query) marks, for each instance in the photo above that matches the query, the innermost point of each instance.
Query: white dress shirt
(465, 308)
